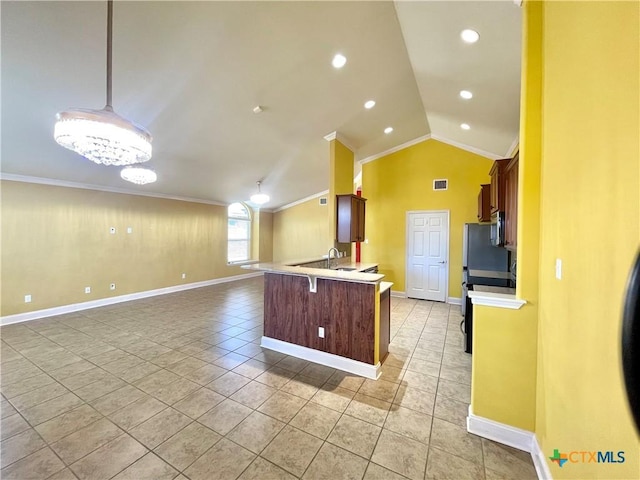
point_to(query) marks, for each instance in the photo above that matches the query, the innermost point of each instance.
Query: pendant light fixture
(259, 198)
(138, 175)
(103, 136)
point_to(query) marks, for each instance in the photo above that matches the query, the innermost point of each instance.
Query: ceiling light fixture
(388, 130)
(103, 136)
(138, 175)
(259, 198)
(369, 104)
(466, 94)
(470, 36)
(339, 61)
(465, 126)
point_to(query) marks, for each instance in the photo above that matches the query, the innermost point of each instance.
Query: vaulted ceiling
(192, 73)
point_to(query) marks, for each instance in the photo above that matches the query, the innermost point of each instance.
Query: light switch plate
(321, 332)
(27, 299)
(558, 269)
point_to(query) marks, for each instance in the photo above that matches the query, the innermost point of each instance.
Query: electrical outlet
(27, 299)
(112, 230)
(558, 269)
(129, 229)
(87, 289)
(112, 286)
(321, 332)
(184, 275)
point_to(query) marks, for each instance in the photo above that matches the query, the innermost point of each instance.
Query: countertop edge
(356, 277)
(384, 286)
(500, 300)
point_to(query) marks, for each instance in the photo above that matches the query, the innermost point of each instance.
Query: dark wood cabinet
(497, 184)
(511, 204)
(350, 218)
(484, 203)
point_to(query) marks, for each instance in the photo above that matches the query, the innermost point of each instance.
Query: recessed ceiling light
(339, 61)
(388, 130)
(258, 109)
(369, 104)
(470, 36)
(466, 94)
(465, 126)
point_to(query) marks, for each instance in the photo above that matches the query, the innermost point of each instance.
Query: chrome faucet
(337, 254)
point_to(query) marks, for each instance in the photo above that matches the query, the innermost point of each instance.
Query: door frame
(406, 250)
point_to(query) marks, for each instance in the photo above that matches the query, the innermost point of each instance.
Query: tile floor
(177, 386)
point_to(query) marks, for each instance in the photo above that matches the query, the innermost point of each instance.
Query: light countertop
(330, 274)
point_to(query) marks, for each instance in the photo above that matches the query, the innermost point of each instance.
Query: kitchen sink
(345, 269)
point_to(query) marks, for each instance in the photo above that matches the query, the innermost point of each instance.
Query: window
(238, 233)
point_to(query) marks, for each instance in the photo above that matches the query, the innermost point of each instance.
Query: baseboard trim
(76, 307)
(323, 358)
(540, 461)
(397, 294)
(454, 300)
(500, 432)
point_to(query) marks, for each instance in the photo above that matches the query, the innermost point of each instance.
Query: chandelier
(259, 198)
(103, 136)
(138, 175)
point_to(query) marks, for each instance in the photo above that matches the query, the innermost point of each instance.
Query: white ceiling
(192, 72)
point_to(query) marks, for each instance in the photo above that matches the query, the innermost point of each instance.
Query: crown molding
(395, 149)
(302, 200)
(87, 186)
(510, 153)
(468, 148)
(341, 138)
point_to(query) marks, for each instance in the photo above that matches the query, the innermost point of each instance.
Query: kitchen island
(337, 317)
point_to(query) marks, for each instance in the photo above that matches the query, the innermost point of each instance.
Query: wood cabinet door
(484, 203)
(498, 185)
(350, 218)
(511, 205)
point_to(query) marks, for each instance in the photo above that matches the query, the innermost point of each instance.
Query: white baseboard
(500, 432)
(454, 300)
(540, 461)
(323, 358)
(395, 293)
(75, 307)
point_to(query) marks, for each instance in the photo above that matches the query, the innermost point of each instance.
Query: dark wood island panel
(346, 310)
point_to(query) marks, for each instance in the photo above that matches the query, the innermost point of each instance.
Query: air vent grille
(441, 184)
(323, 200)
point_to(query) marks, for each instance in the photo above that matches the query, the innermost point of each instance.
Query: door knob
(443, 261)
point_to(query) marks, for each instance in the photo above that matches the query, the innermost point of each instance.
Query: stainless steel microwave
(497, 229)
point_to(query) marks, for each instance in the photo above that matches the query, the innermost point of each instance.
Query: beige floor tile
(12, 425)
(38, 396)
(401, 455)
(376, 472)
(175, 391)
(228, 384)
(316, 420)
(139, 371)
(369, 409)
(100, 388)
(40, 464)
(225, 460)
(380, 389)
(122, 364)
(292, 450)
(205, 374)
(137, 412)
(86, 440)
(253, 394)
(392, 374)
(186, 365)
(409, 423)
(260, 469)
(64, 474)
(424, 366)
(333, 397)
(444, 466)
(225, 416)
(455, 440)
(25, 385)
(457, 391)
(20, 446)
(451, 410)
(456, 374)
(414, 399)
(160, 427)
(275, 377)
(199, 402)
(252, 368)
(149, 467)
(117, 399)
(187, 445)
(346, 380)
(156, 380)
(333, 462)
(507, 462)
(304, 387)
(230, 360)
(86, 377)
(169, 358)
(255, 432)
(51, 408)
(269, 356)
(282, 406)
(317, 371)
(109, 459)
(355, 435)
(421, 381)
(67, 423)
(292, 364)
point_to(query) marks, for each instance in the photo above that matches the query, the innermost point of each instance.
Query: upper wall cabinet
(511, 205)
(497, 184)
(484, 203)
(350, 218)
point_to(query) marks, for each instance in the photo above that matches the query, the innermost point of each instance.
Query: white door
(427, 255)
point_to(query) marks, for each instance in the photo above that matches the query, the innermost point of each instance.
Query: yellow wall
(300, 232)
(265, 239)
(56, 242)
(403, 181)
(590, 218)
